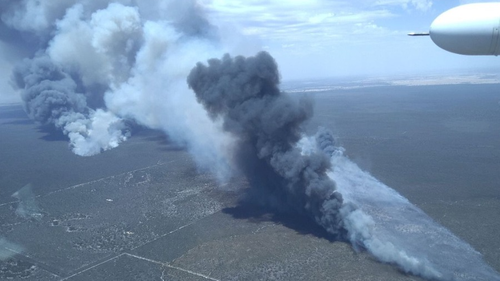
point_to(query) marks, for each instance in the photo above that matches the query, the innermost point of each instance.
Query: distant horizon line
(337, 83)
(357, 82)
(358, 77)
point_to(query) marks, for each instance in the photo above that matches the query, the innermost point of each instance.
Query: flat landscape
(144, 211)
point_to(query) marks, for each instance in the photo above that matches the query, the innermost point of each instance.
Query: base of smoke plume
(381, 221)
(8, 249)
(27, 207)
(258, 205)
(89, 135)
(51, 96)
(266, 197)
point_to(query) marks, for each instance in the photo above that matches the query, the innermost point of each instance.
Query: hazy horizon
(311, 39)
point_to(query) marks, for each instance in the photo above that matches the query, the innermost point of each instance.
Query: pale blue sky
(332, 38)
(325, 38)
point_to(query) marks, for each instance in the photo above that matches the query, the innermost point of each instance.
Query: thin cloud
(295, 23)
(420, 5)
(475, 1)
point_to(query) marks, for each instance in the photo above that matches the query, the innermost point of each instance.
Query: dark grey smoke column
(47, 91)
(267, 122)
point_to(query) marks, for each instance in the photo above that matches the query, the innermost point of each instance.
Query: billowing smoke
(267, 125)
(358, 224)
(94, 66)
(270, 151)
(64, 82)
(378, 219)
(88, 67)
(311, 173)
(50, 97)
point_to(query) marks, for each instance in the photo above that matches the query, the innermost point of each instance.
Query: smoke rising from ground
(267, 125)
(391, 228)
(395, 231)
(272, 152)
(92, 65)
(63, 83)
(8, 249)
(27, 207)
(50, 97)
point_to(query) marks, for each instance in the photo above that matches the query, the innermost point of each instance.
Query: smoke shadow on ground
(250, 207)
(51, 134)
(165, 143)
(12, 112)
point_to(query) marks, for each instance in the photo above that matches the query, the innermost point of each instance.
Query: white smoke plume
(95, 65)
(27, 207)
(391, 228)
(91, 66)
(8, 249)
(347, 202)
